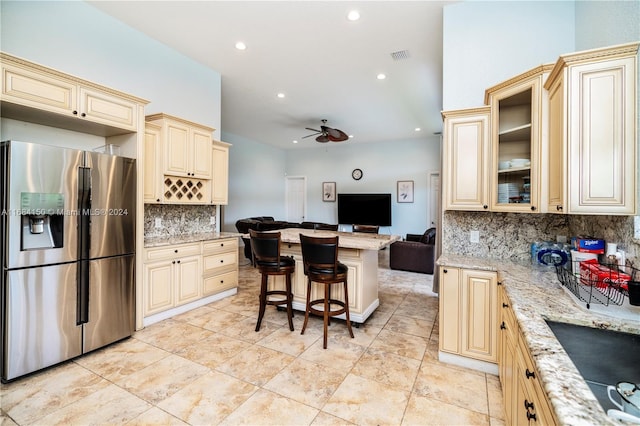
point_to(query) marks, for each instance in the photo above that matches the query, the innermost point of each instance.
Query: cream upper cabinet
(466, 159)
(220, 184)
(593, 118)
(81, 104)
(519, 108)
(152, 163)
(187, 146)
(183, 161)
(468, 313)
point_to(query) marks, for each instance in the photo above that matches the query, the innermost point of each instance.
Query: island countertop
(187, 238)
(353, 240)
(536, 295)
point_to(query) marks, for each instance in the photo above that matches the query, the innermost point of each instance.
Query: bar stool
(321, 265)
(265, 249)
(369, 229)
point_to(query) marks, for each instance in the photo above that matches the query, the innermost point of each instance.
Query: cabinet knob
(499, 282)
(75, 112)
(485, 207)
(505, 305)
(157, 200)
(83, 114)
(530, 374)
(528, 405)
(531, 416)
(221, 261)
(503, 326)
(444, 271)
(533, 208)
(175, 251)
(178, 261)
(221, 244)
(559, 208)
(174, 262)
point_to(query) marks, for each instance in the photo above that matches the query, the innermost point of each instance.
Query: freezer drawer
(39, 319)
(111, 301)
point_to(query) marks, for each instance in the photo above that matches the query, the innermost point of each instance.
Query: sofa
(268, 223)
(415, 254)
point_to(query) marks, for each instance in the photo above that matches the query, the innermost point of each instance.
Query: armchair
(415, 254)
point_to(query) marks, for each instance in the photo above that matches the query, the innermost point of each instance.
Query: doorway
(434, 213)
(296, 198)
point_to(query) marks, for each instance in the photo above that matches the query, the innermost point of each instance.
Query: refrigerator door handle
(84, 225)
(83, 293)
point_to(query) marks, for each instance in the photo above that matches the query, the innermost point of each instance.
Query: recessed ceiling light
(350, 136)
(418, 129)
(295, 141)
(241, 46)
(354, 15)
(381, 76)
(280, 95)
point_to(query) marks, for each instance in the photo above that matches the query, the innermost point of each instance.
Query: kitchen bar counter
(536, 295)
(187, 238)
(353, 240)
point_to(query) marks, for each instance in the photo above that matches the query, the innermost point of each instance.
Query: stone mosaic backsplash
(509, 235)
(178, 219)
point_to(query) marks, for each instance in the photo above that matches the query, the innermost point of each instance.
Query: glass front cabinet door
(518, 142)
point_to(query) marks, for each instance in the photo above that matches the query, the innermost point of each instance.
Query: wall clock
(356, 174)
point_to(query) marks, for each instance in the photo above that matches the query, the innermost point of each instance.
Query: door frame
(287, 198)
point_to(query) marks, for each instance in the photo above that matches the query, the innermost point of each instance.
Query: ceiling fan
(327, 134)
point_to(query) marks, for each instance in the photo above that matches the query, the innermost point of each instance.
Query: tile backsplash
(509, 235)
(177, 219)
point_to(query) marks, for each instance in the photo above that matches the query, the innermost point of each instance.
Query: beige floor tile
(246, 329)
(214, 350)
(256, 365)
(401, 344)
(365, 401)
(340, 354)
(163, 378)
(306, 382)
(455, 386)
(155, 416)
(209, 399)
(426, 411)
(290, 342)
(496, 422)
(109, 405)
(122, 359)
(217, 320)
(494, 393)
(409, 325)
(32, 398)
(193, 314)
(268, 408)
(172, 335)
(394, 370)
(5, 420)
(326, 419)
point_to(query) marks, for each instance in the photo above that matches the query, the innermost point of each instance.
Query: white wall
(76, 38)
(383, 164)
(486, 42)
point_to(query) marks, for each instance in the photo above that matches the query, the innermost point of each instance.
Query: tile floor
(209, 366)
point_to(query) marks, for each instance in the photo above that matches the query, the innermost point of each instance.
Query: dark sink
(603, 357)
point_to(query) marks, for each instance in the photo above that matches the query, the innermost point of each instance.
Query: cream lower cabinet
(592, 132)
(220, 265)
(468, 313)
(466, 159)
(524, 399)
(172, 277)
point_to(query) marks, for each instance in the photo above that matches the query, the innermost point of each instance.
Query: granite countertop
(354, 240)
(536, 295)
(187, 238)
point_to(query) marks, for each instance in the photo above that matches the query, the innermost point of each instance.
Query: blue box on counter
(588, 244)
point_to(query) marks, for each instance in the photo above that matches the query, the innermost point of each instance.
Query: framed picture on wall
(405, 191)
(329, 191)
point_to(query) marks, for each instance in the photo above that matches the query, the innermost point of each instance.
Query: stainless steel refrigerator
(68, 254)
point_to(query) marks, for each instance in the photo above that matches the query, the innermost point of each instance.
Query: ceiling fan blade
(339, 136)
(313, 130)
(308, 136)
(322, 138)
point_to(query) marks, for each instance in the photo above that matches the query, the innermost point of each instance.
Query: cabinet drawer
(217, 246)
(214, 262)
(508, 322)
(172, 252)
(221, 282)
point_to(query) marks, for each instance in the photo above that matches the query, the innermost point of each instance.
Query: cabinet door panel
(202, 155)
(450, 307)
(188, 279)
(479, 295)
(158, 287)
(101, 107)
(220, 175)
(602, 142)
(36, 90)
(176, 159)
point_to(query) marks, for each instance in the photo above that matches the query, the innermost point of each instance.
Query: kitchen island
(536, 295)
(359, 251)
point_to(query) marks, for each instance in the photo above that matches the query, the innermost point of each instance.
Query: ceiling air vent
(400, 55)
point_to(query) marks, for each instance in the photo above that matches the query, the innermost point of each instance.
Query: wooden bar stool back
(265, 250)
(369, 229)
(321, 265)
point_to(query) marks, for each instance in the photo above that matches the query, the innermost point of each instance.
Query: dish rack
(607, 288)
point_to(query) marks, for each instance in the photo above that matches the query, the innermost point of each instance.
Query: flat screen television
(364, 209)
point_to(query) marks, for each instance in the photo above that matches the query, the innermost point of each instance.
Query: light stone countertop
(536, 295)
(354, 240)
(187, 238)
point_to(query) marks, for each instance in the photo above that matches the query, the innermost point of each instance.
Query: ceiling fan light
(353, 15)
(241, 46)
(280, 95)
(381, 76)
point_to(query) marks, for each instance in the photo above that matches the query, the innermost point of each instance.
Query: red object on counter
(593, 273)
